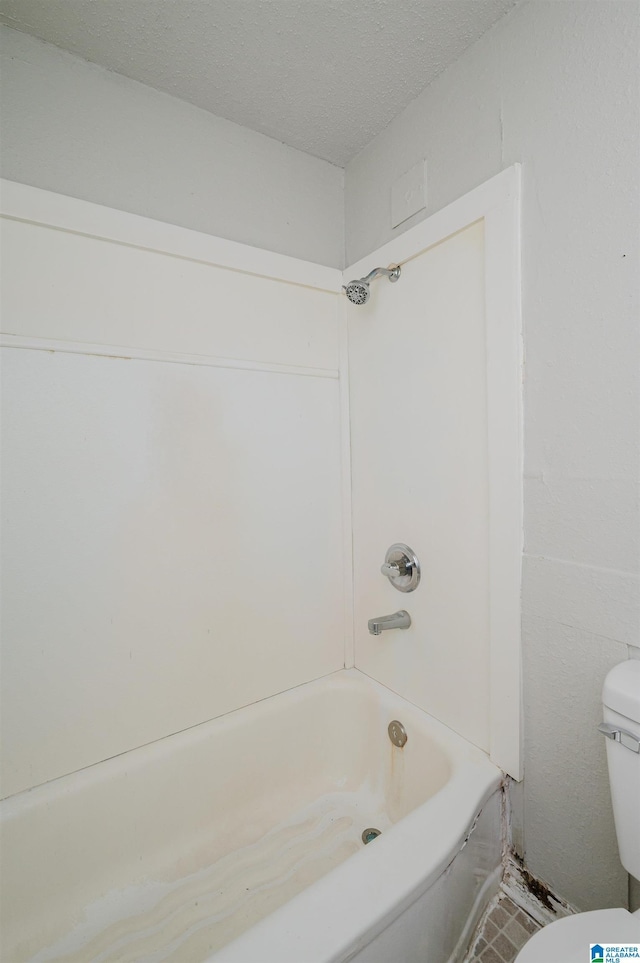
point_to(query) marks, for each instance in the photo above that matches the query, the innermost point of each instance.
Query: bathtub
(240, 841)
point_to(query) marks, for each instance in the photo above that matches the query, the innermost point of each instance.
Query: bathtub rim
(387, 876)
(374, 886)
(391, 880)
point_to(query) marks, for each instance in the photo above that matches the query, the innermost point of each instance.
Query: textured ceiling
(324, 76)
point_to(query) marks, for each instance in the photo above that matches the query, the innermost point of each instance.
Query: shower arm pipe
(392, 273)
(358, 290)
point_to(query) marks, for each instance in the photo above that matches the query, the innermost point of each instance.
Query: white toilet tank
(621, 699)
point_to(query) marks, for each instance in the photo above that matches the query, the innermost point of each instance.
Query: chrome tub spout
(399, 620)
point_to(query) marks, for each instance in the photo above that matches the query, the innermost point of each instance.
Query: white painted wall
(159, 506)
(554, 86)
(78, 129)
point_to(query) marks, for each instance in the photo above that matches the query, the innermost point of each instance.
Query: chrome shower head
(358, 291)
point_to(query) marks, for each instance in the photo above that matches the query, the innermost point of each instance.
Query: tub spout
(399, 620)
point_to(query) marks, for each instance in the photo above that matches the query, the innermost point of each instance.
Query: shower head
(358, 291)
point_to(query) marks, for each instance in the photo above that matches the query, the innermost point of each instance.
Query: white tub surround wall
(554, 86)
(172, 439)
(78, 129)
(435, 371)
(176, 433)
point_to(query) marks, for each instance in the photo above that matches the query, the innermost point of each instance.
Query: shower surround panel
(172, 442)
(417, 365)
(435, 369)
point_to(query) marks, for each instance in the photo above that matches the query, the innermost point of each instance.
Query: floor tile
(516, 933)
(526, 922)
(491, 929)
(500, 916)
(505, 947)
(501, 933)
(490, 956)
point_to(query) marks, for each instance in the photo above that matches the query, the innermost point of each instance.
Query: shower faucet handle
(395, 569)
(401, 567)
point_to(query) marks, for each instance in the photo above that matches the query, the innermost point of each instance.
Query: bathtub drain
(369, 834)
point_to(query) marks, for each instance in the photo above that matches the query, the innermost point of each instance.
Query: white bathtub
(239, 841)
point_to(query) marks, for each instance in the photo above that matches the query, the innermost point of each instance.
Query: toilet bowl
(569, 940)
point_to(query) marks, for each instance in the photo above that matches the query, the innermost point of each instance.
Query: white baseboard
(531, 895)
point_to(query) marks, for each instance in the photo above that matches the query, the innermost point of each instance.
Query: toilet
(568, 940)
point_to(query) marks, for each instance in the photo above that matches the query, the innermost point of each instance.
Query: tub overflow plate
(397, 733)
